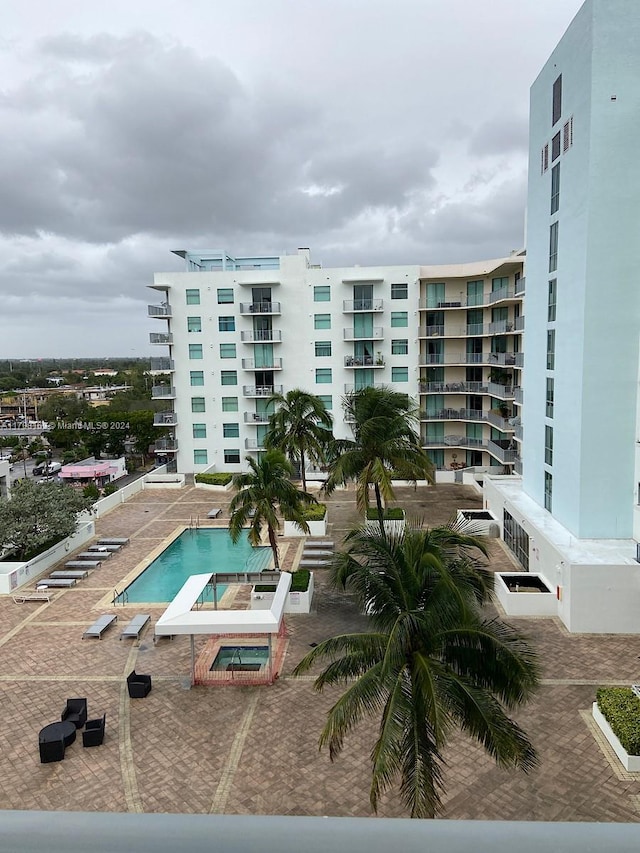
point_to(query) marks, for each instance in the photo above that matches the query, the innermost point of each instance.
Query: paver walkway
(254, 750)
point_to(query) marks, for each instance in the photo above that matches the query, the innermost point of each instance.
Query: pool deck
(254, 750)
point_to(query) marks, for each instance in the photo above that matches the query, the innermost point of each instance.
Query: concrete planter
(392, 527)
(316, 528)
(164, 481)
(211, 488)
(526, 600)
(481, 522)
(629, 762)
(297, 602)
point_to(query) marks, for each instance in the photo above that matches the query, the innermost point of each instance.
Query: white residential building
(239, 329)
(575, 516)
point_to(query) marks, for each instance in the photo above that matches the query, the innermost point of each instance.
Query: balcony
(351, 306)
(454, 388)
(363, 361)
(503, 392)
(256, 418)
(520, 286)
(161, 365)
(456, 441)
(261, 390)
(252, 364)
(262, 336)
(462, 358)
(454, 415)
(518, 432)
(507, 358)
(160, 338)
(517, 465)
(501, 327)
(162, 311)
(260, 308)
(518, 324)
(518, 395)
(519, 359)
(350, 389)
(377, 333)
(166, 445)
(432, 332)
(499, 422)
(165, 419)
(438, 306)
(253, 444)
(503, 293)
(163, 392)
(503, 451)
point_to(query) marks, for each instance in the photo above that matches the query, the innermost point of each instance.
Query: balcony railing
(455, 441)
(518, 395)
(349, 389)
(160, 338)
(261, 390)
(261, 336)
(501, 327)
(504, 392)
(454, 415)
(454, 388)
(377, 333)
(520, 285)
(256, 417)
(505, 454)
(165, 419)
(503, 293)
(165, 365)
(260, 308)
(518, 324)
(162, 392)
(254, 444)
(166, 445)
(502, 358)
(159, 310)
(363, 361)
(518, 432)
(499, 422)
(517, 465)
(351, 305)
(488, 358)
(252, 364)
(519, 359)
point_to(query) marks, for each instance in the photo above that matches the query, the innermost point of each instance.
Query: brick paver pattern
(255, 750)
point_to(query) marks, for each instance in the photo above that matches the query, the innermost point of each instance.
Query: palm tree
(385, 444)
(264, 489)
(431, 663)
(300, 427)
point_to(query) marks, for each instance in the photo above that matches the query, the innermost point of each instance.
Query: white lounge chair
(314, 554)
(135, 626)
(56, 582)
(100, 626)
(320, 543)
(20, 598)
(314, 564)
(104, 549)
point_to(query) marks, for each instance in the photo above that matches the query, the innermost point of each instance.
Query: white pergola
(181, 618)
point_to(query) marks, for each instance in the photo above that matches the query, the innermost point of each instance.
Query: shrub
(299, 583)
(91, 491)
(621, 709)
(219, 479)
(109, 489)
(314, 512)
(391, 514)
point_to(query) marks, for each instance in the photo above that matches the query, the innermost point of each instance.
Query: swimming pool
(240, 659)
(195, 552)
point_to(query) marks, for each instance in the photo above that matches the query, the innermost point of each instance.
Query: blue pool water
(240, 658)
(196, 552)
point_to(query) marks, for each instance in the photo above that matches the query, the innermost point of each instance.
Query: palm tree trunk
(274, 547)
(303, 472)
(380, 510)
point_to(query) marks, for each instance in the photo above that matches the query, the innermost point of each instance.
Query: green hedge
(299, 583)
(314, 512)
(219, 479)
(390, 514)
(621, 709)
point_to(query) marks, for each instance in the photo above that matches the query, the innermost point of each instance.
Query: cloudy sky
(372, 131)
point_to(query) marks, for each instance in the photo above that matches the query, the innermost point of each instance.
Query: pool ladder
(194, 522)
(122, 596)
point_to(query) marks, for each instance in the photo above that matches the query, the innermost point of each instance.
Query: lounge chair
(314, 564)
(138, 686)
(135, 626)
(82, 564)
(100, 625)
(78, 574)
(45, 583)
(93, 734)
(316, 553)
(214, 513)
(104, 549)
(75, 712)
(91, 555)
(117, 540)
(31, 596)
(320, 543)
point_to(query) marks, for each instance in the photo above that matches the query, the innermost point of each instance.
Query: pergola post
(193, 660)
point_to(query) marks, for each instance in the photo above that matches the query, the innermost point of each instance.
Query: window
(553, 247)
(400, 346)
(229, 404)
(199, 430)
(551, 306)
(549, 408)
(323, 375)
(200, 457)
(475, 292)
(225, 295)
(322, 293)
(323, 348)
(197, 404)
(516, 540)
(548, 490)
(567, 135)
(399, 374)
(193, 297)
(227, 350)
(195, 351)
(196, 377)
(399, 318)
(544, 159)
(232, 457)
(228, 377)
(435, 294)
(548, 445)
(555, 188)
(557, 101)
(327, 399)
(322, 321)
(194, 324)
(230, 430)
(551, 349)
(555, 147)
(226, 324)
(399, 291)
(501, 283)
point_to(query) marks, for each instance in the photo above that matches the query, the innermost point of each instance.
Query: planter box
(211, 488)
(392, 527)
(481, 522)
(537, 602)
(164, 481)
(630, 762)
(316, 528)
(297, 602)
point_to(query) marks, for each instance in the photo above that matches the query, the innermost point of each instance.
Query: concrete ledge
(629, 762)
